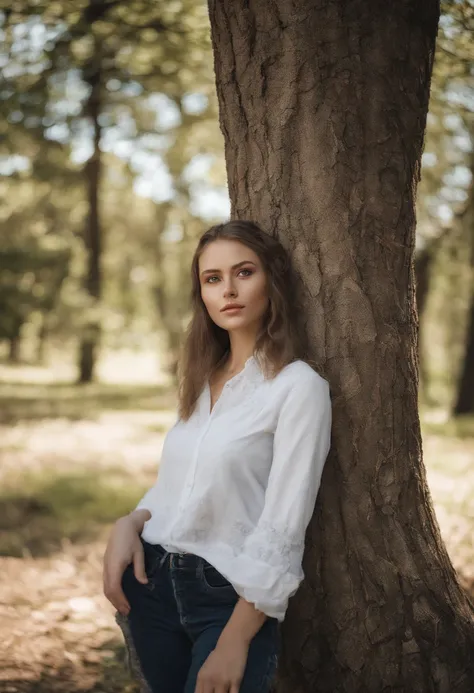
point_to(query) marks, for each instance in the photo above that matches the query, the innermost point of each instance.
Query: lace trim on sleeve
(276, 548)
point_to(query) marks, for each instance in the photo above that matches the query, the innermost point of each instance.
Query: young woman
(204, 566)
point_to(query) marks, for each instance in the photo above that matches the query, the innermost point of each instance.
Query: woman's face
(231, 273)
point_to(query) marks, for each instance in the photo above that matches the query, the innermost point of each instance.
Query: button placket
(206, 418)
(210, 418)
(192, 471)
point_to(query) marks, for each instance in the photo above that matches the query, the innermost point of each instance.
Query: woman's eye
(247, 273)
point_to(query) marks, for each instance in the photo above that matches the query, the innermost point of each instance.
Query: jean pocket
(213, 579)
(153, 557)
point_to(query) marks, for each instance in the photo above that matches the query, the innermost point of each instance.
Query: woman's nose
(229, 290)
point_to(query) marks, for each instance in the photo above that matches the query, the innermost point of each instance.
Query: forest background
(112, 165)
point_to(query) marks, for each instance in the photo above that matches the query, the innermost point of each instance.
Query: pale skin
(230, 272)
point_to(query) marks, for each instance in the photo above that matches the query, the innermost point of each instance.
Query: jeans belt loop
(164, 557)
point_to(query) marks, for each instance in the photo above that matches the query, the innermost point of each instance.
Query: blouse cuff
(267, 576)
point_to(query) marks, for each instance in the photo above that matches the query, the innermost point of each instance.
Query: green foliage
(48, 508)
(444, 230)
(450, 120)
(58, 50)
(30, 279)
(145, 61)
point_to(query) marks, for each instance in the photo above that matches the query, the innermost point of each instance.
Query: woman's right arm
(124, 547)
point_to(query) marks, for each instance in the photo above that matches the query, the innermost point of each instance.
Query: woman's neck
(242, 347)
(237, 359)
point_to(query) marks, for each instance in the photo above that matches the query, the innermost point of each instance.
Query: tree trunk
(14, 343)
(323, 110)
(465, 395)
(169, 316)
(40, 353)
(92, 232)
(423, 263)
(424, 260)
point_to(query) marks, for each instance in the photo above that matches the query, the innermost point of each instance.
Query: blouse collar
(248, 378)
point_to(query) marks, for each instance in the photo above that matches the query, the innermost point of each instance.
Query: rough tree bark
(323, 107)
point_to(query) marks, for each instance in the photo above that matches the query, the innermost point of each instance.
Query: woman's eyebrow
(239, 264)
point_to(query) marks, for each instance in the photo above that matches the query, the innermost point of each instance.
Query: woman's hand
(223, 670)
(124, 547)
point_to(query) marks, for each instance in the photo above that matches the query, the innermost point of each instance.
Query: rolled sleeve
(269, 569)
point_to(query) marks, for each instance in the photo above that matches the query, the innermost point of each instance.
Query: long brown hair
(281, 339)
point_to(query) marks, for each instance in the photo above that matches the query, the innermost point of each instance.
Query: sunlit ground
(72, 459)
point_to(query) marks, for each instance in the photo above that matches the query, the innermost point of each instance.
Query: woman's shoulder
(300, 374)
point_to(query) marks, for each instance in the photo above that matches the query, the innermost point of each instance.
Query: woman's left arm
(244, 623)
(224, 668)
(269, 570)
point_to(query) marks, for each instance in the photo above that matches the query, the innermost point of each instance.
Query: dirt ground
(57, 631)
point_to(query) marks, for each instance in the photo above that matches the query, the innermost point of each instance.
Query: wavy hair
(281, 339)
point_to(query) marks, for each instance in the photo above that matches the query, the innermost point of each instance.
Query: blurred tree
(127, 218)
(115, 55)
(464, 400)
(33, 217)
(177, 227)
(442, 198)
(323, 109)
(30, 280)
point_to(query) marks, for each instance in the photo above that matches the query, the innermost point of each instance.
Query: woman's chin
(232, 322)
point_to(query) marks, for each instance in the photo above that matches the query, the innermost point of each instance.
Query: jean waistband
(162, 554)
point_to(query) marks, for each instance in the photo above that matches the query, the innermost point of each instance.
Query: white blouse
(237, 486)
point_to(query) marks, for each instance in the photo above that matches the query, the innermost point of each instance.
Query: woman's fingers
(203, 686)
(114, 592)
(118, 599)
(124, 547)
(139, 565)
(199, 687)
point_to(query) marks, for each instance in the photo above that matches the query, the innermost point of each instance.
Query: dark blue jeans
(176, 619)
